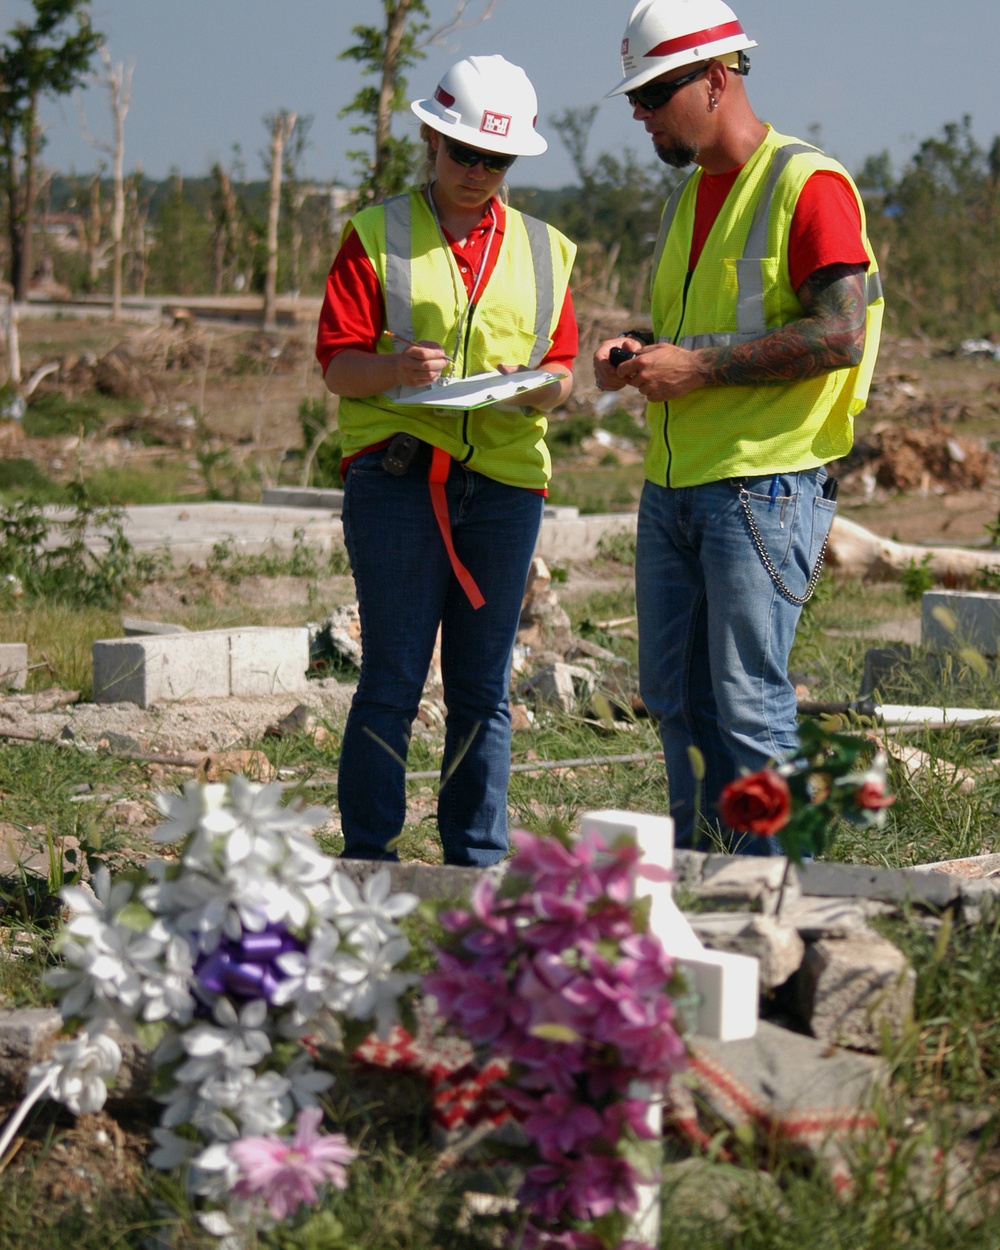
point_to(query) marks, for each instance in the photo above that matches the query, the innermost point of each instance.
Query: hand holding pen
(420, 364)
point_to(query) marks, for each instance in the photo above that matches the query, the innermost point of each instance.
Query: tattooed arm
(831, 335)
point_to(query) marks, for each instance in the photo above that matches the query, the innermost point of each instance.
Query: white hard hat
(487, 102)
(662, 35)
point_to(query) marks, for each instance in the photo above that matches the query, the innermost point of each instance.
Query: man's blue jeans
(715, 633)
(406, 588)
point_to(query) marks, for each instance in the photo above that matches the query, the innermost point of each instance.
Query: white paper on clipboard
(476, 391)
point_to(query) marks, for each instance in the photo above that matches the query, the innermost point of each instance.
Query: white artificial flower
(239, 1037)
(99, 906)
(305, 1080)
(193, 905)
(167, 989)
(374, 908)
(172, 1150)
(185, 811)
(85, 1065)
(310, 975)
(266, 1105)
(369, 986)
(104, 976)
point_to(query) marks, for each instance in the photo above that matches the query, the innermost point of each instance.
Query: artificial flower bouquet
(555, 971)
(233, 962)
(800, 800)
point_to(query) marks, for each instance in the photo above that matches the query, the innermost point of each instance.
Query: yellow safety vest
(739, 290)
(512, 322)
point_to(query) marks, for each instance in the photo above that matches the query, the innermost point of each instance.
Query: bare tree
(118, 80)
(281, 126)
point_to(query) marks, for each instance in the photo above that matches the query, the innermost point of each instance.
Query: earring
(711, 103)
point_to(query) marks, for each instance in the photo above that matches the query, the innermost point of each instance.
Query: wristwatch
(644, 336)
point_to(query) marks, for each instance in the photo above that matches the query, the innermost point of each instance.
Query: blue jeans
(406, 588)
(715, 633)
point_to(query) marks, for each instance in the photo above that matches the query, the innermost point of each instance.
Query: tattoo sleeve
(830, 336)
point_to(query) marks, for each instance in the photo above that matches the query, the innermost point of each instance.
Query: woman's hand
(356, 374)
(543, 398)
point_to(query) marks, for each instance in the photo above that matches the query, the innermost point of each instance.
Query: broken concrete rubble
(856, 991)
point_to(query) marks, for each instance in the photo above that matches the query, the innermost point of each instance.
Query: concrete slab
(190, 532)
(303, 497)
(13, 665)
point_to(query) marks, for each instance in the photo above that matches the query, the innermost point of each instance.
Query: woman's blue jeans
(715, 633)
(406, 588)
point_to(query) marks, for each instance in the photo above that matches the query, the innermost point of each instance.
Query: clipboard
(478, 391)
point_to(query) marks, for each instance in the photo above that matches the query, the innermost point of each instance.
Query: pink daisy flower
(287, 1172)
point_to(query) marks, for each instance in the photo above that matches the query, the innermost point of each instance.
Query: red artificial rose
(873, 795)
(760, 803)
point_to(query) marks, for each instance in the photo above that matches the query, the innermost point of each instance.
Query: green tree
(180, 261)
(48, 56)
(615, 214)
(384, 53)
(936, 231)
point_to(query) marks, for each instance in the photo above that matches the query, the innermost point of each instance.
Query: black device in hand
(618, 355)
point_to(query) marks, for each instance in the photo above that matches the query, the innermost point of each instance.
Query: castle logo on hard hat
(495, 124)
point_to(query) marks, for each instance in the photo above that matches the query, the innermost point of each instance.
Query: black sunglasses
(469, 158)
(655, 94)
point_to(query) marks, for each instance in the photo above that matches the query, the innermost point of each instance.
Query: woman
(441, 527)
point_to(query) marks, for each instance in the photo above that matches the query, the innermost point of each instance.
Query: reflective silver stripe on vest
(666, 221)
(399, 275)
(545, 296)
(398, 270)
(750, 319)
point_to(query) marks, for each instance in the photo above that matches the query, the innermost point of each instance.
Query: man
(766, 309)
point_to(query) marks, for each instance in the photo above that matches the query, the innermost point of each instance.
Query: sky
(871, 75)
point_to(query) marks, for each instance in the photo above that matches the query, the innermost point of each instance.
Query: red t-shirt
(826, 224)
(353, 313)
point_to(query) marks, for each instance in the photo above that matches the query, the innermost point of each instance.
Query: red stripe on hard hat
(683, 42)
(444, 97)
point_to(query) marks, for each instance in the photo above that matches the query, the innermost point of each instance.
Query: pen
(410, 343)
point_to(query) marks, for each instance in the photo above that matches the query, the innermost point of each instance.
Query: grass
(945, 1070)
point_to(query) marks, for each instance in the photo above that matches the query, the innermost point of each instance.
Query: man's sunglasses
(469, 158)
(655, 94)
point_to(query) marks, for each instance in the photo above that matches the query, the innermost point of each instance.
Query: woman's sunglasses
(655, 94)
(469, 158)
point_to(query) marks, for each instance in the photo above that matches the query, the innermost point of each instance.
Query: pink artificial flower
(873, 795)
(287, 1172)
(562, 1125)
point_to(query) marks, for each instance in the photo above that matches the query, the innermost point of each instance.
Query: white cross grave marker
(726, 986)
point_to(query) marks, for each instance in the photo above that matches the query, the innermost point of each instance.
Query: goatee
(679, 156)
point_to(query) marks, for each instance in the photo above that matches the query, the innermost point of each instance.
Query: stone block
(751, 879)
(891, 885)
(164, 667)
(208, 664)
(266, 660)
(776, 946)
(851, 991)
(815, 918)
(954, 618)
(137, 627)
(13, 665)
(26, 1036)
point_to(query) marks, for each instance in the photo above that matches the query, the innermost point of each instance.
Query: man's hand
(663, 371)
(607, 377)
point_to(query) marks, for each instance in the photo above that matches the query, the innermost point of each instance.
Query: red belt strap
(440, 466)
